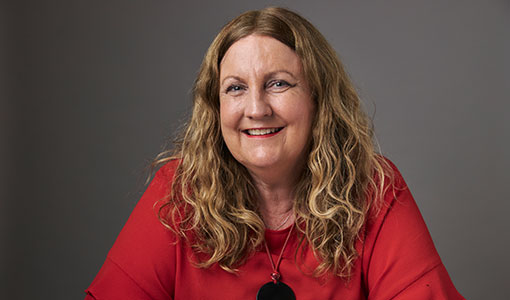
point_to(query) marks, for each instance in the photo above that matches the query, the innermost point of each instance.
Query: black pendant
(275, 291)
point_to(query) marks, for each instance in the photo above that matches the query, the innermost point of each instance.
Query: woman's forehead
(259, 55)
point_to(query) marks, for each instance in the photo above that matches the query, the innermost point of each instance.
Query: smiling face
(266, 108)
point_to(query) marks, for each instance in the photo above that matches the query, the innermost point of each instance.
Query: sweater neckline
(276, 238)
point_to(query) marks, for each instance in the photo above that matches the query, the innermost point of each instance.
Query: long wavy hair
(213, 196)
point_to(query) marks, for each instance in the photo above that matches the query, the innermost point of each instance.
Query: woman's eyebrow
(273, 73)
(231, 77)
(268, 75)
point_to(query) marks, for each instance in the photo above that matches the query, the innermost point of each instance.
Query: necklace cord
(284, 221)
(275, 276)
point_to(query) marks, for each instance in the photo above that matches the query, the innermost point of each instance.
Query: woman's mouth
(262, 132)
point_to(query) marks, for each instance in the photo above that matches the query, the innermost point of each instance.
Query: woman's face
(266, 108)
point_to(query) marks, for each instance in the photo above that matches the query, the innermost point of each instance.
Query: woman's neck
(276, 202)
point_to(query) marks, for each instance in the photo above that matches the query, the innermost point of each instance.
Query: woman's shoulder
(392, 176)
(145, 215)
(393, 194)
(167, 171)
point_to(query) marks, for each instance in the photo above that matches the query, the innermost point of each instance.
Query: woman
(275, 190)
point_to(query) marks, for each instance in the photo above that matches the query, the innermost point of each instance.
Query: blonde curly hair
(213, 195)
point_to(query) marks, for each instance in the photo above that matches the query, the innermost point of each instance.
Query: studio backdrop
(92, 90)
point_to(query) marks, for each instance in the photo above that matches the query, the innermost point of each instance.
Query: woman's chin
(266, 164)
(261, 164)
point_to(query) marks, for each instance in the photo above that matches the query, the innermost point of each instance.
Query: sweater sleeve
(141, 263)
(400, 261)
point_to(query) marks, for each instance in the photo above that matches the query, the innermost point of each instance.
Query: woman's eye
(234, 88)
(278, 85)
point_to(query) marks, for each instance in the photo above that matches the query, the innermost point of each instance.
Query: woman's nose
(257, 105)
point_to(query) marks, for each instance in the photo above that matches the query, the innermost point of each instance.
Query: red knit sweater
(397, 260)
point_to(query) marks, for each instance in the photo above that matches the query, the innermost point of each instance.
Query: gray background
(94, 88)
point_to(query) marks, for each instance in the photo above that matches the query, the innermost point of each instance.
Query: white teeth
(261, 131)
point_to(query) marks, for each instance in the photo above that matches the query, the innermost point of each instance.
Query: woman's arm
(400, 260)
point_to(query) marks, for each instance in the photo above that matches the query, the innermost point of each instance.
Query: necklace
(283, 223)
(275, 289)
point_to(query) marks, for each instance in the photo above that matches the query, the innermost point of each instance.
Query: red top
(398, 260)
